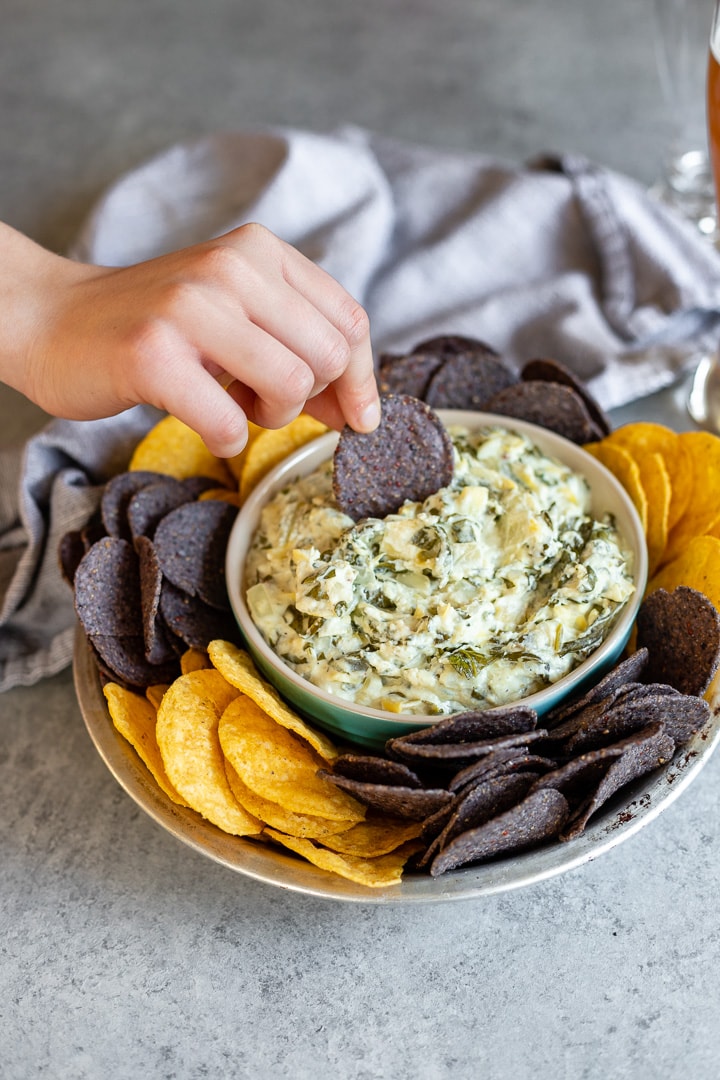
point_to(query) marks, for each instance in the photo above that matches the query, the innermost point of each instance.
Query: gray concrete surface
(124, 954)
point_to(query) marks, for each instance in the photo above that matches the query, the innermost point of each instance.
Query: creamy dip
(489, 590)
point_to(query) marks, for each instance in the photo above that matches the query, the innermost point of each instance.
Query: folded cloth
(559, 258)
(51, 486)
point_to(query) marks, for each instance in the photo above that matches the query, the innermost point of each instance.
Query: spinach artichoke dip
(491, 589)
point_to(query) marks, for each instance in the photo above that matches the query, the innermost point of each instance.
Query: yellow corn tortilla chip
(643, 438)
(375, 873)
(278, 766)
(714, 529)
(238, 668)
(272, 446)
(155, 694)
(194, 659)
(135, 718)
(187, 734)
(173, 448)
(698, 567)
(373, 837)
(306, 825)
(656, 484)
(624, 467)
(221, 494)
(236, 464)
(703, 508)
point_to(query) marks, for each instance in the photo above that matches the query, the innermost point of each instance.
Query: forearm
(22, 275)
(28, 280)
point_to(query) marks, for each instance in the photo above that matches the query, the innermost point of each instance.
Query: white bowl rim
(295, 464)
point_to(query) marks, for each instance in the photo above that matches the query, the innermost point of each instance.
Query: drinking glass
(681, 41)
(704, 399)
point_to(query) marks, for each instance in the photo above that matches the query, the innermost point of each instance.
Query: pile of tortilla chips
(148, 571)
(674, 481)
(221, 741)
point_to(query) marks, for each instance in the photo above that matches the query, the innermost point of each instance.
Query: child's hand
(245, 311)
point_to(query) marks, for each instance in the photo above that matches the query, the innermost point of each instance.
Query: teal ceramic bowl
(369, 727)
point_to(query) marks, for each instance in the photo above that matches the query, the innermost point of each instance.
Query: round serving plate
(633, 808)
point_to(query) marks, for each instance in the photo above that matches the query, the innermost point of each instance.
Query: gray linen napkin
(48, 487)
(559, 258)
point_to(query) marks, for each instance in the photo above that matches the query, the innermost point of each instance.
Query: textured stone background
(124, 954)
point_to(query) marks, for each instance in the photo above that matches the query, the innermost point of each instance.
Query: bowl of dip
(518, 582)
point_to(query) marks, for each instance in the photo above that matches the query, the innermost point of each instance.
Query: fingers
(355, 387)
(205, 329)
(282, 327)
(326, 409)
(201, 402)
(161, 367)
(214, 376)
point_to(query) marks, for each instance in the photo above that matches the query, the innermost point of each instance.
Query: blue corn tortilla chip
(409, 456)
(602, 721)
(124, 658)
(107, 589)
(70, 551)
(158, 648)
(196, 485)
(406, 802)
(681, 632)
(537, 818)
(437, 821)
(469, 380)
(148, 506)
(550, 405)
(641, 753)
(579, 776)
(118, 580)
(109, 584)
(554, 371)
(408, 374)
(472, 726)
(476, 806)
(190, 543)
(375, 770)
(681, 714)
(684, 716)
(192, 621)
(500, 763)
(117, 494)
(627, 670)
(93, 531)
(456, 755)
(478, 770)
(445, 345)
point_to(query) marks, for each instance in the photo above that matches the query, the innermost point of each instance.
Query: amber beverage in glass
(713, 99)
(704, 399)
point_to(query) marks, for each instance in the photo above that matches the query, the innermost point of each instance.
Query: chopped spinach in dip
(490, 590)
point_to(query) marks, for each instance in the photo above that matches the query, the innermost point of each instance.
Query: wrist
(29, 276)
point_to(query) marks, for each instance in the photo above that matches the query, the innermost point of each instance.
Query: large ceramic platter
(633, 808)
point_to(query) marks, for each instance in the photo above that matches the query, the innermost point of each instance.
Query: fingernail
(369, 417)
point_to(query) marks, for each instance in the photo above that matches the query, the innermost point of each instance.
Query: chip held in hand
(409, 456)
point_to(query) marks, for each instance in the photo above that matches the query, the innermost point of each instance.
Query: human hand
(240, 327)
